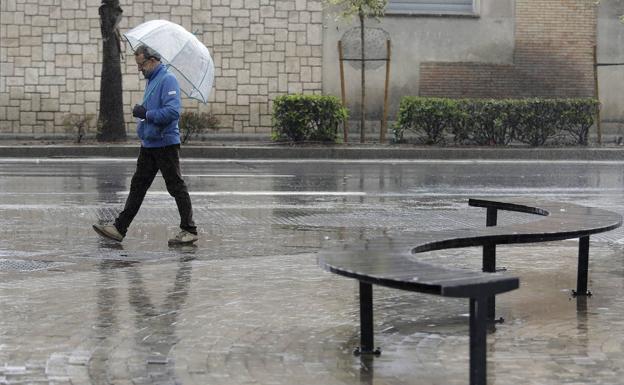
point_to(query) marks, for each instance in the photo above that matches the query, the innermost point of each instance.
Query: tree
(363, 9)
(111, 126)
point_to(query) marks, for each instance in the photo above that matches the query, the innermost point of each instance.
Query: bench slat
(401, 272)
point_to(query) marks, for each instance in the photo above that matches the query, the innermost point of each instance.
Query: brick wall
(50, 55)
(553, 57)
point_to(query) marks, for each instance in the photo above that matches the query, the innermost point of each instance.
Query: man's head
(146, 59)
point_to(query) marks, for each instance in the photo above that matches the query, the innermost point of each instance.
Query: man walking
(160, 149)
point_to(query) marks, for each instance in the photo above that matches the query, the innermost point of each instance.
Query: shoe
(109, 231)
(183, 237)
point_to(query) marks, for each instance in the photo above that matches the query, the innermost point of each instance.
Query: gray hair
(147, 52)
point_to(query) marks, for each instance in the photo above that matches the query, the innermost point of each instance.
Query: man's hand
(139, 111)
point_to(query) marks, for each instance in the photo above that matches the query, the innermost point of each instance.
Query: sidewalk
(249, 304)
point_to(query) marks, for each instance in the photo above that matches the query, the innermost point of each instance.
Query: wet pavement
(249, 305)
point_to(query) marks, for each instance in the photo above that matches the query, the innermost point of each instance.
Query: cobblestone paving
(248, 305)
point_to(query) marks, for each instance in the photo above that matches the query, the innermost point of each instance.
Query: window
(436, 7)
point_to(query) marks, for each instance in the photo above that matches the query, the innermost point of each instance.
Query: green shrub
(482, 122)
(298, 118)
(578, 116)
(192, 123)
(536, 120)
(532, 121)
(429, 116)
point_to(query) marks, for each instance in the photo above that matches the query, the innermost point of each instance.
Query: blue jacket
(162, 102)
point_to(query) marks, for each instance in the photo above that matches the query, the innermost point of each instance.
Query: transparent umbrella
(186, 57)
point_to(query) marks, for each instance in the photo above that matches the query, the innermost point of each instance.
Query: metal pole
(363, 79)
(342, 89)
(489, 259)
(384, 121)
(583, 267)
(478, 339)
(491, 217)
(367, 345)
(598, 126)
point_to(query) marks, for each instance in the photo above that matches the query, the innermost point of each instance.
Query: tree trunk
(111, 126)
(363, 100)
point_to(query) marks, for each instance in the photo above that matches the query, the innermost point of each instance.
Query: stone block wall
(50, 58)
(553, 57)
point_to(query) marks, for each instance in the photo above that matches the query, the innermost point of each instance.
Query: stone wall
(50, 55)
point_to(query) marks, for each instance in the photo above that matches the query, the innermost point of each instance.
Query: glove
(139, 111)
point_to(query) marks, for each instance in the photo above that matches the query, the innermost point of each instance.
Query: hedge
(496, 121)
(298, 118)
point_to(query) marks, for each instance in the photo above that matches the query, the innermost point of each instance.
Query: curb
(321, 152)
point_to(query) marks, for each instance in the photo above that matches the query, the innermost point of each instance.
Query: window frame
(476, 6)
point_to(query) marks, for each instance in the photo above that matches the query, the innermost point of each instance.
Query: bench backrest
(560, 221)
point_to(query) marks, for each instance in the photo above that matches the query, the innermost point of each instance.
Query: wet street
(249, 305)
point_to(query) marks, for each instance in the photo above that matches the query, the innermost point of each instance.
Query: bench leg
(478, 336)
(489, 266)
(489, 263)
(491, 216)
(367, 345)
(583, 267)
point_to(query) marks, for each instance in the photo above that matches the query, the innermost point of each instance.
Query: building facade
(50, 55)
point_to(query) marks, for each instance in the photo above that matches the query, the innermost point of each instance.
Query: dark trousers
(151, 160)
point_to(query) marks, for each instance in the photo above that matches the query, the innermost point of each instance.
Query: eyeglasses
(142, 64)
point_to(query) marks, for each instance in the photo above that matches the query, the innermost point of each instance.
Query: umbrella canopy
(187, 58)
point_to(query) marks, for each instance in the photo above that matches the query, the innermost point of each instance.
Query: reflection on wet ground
(249, 305)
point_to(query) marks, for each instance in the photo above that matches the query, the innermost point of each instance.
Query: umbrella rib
(181, 74)
(202, 81)
(142, 38)
(187, 79)
(179, 51)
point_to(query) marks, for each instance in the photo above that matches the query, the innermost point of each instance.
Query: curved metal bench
(391, 262)
(561, 221)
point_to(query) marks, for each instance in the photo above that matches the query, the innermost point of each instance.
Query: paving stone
(248, 304)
